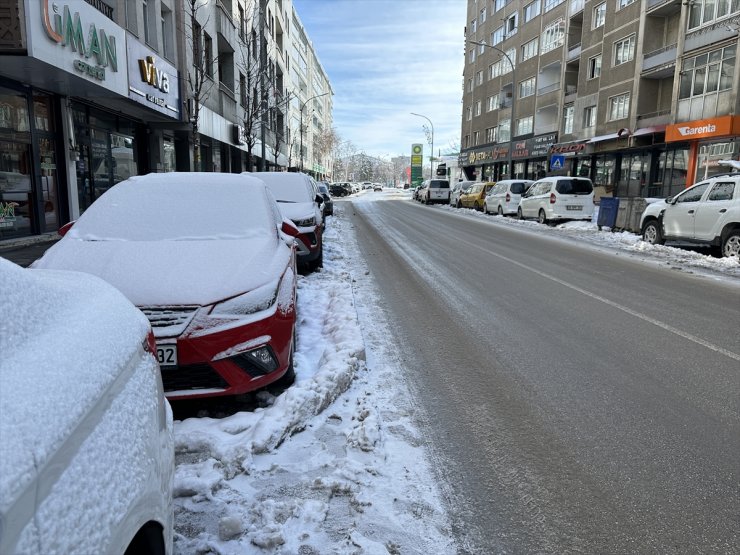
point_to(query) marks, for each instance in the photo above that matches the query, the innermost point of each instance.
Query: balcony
(549, 89)
(225, 26)
(660, 63)
(663, 7)
(575, 7)
(650, 119)
(574, 52)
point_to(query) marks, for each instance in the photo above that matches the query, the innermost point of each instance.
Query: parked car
(458, 189)
(435, 191)
(504, 198)
(299, 201)
(377, 187)
(367, 185)
(210, 260)
(416, 195)
(328, 205)
(87, 438)
(707, 213)
(558, 198)
(475, 197)
(339, 190)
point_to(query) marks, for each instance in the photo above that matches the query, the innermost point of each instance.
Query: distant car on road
(377, 187)
(707, 213)
(339, 190)
(87, 460)
(558, 198)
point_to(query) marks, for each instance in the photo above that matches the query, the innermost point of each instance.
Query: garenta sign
(75, 37)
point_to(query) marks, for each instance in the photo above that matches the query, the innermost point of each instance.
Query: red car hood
(174, 272)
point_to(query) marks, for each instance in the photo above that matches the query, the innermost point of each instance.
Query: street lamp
(512, 125)
(431, 156)
(301, 121)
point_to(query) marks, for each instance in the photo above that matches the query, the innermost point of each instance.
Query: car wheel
(542, 217)
(519, 213)
(426, 201)
(458, 205)
(477, 206)
(652, 234)
(318, 263)
(731, 244)
(287, 379)
(500, 210)
(485, 208)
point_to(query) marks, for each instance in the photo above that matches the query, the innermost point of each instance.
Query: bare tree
(325, 142)
(200, 73)
(343, 156)
(279, 135)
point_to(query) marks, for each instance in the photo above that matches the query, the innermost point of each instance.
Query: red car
(211, 262)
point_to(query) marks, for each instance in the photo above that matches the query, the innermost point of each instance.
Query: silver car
(458, 189)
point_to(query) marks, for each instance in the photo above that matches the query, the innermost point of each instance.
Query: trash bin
(608, 207)
(629, 214)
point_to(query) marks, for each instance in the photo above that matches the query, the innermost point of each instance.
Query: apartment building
(639, 95)
(95, 91)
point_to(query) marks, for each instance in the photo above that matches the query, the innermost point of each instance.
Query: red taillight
(149, 344)
(552, 198)
(508, 197)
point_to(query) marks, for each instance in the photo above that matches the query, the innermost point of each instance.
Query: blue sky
(385, 59)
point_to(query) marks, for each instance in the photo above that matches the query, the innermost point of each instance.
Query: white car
(707, 213)
(558, 198)
(435, 190)
(87, 456)
(504, 198)
(458, 189)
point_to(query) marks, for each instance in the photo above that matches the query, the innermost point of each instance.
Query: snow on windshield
(290, 187)
(178, 206)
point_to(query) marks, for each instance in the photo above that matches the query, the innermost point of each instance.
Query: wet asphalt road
(576, 400)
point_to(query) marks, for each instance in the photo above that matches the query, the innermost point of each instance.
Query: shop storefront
(485, 164)
(706, 142)
(530, 156)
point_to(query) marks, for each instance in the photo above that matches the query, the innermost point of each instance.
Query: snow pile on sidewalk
(334, 464)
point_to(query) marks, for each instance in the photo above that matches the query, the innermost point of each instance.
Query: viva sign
(67, 29)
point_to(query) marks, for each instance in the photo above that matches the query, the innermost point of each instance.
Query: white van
(504, 198)
(558, 198)
(435, 190)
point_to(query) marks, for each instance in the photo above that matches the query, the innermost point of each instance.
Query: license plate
(167, 355)
(573, 207)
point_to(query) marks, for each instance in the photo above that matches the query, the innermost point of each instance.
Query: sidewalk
(26, 250)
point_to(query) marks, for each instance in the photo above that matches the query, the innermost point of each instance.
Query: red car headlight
(252, 302)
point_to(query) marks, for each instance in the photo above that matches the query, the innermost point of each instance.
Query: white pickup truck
(435, 190)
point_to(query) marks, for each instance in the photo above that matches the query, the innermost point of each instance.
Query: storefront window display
(16, 193)
(634, 174)
(168, 159)
(709, 156)
(604, 174)
(671, 173)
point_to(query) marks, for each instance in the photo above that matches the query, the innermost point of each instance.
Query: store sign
(568, 149)
(539, 146)
(703, 129)
(489, 154)
(417, 159)
(7, 214)
(73, 37)
(152, 81)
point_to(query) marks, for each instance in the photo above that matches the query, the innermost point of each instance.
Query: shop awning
(649, 130)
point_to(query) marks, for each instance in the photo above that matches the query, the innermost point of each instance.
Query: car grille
(194, 376)
(175, 317)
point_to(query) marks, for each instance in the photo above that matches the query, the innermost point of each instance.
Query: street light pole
(301, 121)
(431, 155)
(512, 125)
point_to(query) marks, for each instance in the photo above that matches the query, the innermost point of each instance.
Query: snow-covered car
(435, 191)
(707, 213)
(328, 204)
(504, 198)
(299, 201)
(459, 188)
(87, 456)
(558, 198)
(209, 259)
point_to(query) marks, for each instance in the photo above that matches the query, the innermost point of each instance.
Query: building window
(599, 17)
(504, 130)
(529, 49)
(527, 87)
(197, 45)
(208, 53)
(496, 37)
(708, 73)
(531, 10)
(132, 23)
(549, 4)
(242, 90)
(510, 61)
(623, 3)
(478, 108)
(482, 16)
(619, 106)
(495, 69)
(706, 11)
(470, 85)
(479, 77)
(568, 112)
(492, 103)
(594, 67)
(510, 25)
(525, 125)
(500, 4)
(471, 55)
(624, 50)
(469, 115)
(491, 135)
(481, 48)
(145, 14)
(167, 33)
(476, 138)
(466, 141)
(242, 24)
(474, 25)
(553, 36)
(589, 117)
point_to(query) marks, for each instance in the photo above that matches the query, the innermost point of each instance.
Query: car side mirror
(671, 200)
(289, 229)
(65, 228)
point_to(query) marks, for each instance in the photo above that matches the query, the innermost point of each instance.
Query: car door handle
(691, 211)
(723, 211)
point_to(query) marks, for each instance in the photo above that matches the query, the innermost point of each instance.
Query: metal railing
(659, 51)
(650, 115)
(549, 89)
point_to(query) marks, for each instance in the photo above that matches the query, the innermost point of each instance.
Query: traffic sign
(557, 162)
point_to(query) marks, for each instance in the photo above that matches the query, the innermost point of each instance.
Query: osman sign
(78, 39)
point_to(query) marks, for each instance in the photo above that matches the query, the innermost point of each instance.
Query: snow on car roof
(291, 187)
(65, 337)
(178, 206)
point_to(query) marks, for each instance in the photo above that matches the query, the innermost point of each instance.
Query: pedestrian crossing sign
(557, 162)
